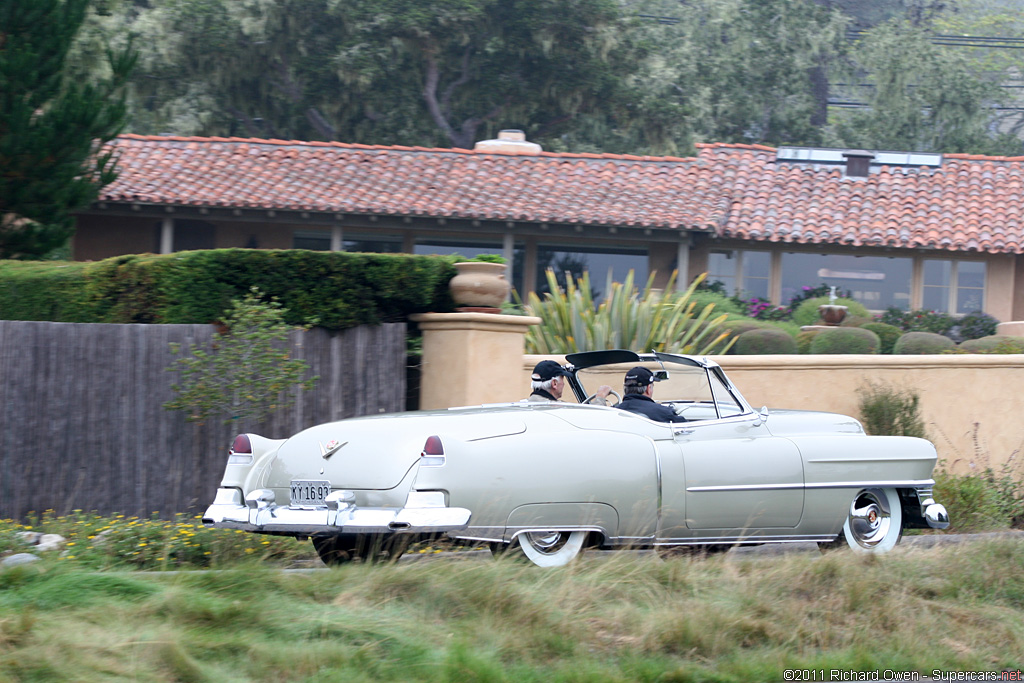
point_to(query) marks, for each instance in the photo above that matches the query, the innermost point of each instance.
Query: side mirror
(762, 416)
(660, 375)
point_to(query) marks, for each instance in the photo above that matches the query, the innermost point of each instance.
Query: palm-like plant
(626, 319)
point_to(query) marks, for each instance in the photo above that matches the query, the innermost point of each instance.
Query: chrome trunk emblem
(331, 447)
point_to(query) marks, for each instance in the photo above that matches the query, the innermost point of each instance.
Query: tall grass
(609, 617)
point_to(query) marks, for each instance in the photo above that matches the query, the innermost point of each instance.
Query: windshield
(691, 390)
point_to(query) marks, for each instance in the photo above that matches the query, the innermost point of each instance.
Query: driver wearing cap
(548, 382)
(637, 393)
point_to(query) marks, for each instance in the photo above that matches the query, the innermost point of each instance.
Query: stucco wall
(970, 403)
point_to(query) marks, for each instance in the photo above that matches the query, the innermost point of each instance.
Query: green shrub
(996, 343)
(340, 289)
(723, 303)
(845, 340)
(627, 319)
(43, 290)
(919, 321)
(976, 325)
(919, 343)
(888, 334)
(804, 339)
(767, 341)
(807, 312)
(981, 501)
(888, 410)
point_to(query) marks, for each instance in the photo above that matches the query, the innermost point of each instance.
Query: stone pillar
(472, 358)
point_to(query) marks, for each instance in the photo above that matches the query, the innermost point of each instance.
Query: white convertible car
(551, 479)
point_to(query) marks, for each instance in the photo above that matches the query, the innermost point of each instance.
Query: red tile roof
(969, 203)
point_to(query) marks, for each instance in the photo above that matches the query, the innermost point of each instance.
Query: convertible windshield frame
(712, 371)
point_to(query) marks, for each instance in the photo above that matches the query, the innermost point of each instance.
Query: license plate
(310, 491)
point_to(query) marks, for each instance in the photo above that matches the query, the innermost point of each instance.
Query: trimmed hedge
(887, 333)
(767, 341)
(920, 343)
(996, 343)
(846, 340)
(339, 289)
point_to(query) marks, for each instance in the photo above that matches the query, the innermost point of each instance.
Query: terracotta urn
(831, 314)
(479, 286)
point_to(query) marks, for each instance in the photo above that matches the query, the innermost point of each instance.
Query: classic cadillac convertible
(550, 479)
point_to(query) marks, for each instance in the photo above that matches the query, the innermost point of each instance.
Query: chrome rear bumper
(424, 513)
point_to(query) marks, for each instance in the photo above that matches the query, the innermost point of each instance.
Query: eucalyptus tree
(924, 96)
(51, 125)
(747, 70)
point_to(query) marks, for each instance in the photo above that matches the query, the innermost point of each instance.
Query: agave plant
(627, 318)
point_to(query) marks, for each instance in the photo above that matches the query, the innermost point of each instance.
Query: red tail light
(241, 444)
(433, 452)
(240, 452)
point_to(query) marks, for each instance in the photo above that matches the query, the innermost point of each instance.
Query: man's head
(547, 375)
(639, 380)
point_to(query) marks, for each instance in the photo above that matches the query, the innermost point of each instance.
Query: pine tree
(51, 126)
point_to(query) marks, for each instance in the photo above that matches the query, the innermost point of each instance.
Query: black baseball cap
(547, 369)
(640, 376)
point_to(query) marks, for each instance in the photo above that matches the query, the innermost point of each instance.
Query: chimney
(858, 163)
(509, 142)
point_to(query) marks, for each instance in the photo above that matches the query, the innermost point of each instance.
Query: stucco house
(944, 232)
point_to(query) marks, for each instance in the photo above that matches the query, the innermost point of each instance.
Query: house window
(878, 282)
(599, 262)
(372, 244)
(745, 273)
(471, 249)
(468, 249)
(953, 286)
(316, 240)
(190, 235)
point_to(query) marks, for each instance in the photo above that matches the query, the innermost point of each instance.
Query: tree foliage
(246, 374)
(924, 98)
(626, 76)
(51, 125)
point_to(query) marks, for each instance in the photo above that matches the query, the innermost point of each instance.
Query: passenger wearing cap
(637, 393)
(548, 382)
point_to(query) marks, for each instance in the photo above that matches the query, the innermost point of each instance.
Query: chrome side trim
(816, 485)
(745, 540)
(744, 487)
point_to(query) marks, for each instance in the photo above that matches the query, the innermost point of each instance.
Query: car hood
(376, 452)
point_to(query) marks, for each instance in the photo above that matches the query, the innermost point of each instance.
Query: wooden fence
(82, 427)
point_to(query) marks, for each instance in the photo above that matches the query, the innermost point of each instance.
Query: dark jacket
(638, 403)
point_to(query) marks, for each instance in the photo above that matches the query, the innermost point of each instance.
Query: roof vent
(858, 163)
(509, 142)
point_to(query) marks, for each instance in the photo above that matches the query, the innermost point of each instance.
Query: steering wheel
(617, 395)
(681, 408)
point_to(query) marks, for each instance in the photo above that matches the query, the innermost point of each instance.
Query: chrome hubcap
(870, 518)
(546, 541)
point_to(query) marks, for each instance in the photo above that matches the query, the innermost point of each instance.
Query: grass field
(608, 617)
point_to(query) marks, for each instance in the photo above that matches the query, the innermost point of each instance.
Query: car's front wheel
(874, 522)
(343, 548)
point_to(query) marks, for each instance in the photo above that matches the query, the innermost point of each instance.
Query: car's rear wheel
(372, 548)
(551, 548)
(874, 522)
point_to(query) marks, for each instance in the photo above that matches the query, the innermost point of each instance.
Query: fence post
(472, 358)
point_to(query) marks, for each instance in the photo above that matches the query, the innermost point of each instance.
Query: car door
(729, 473)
